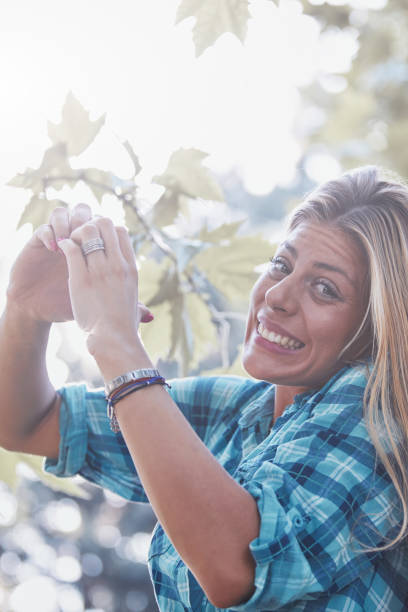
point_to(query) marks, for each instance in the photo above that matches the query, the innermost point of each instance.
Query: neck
(284, 397)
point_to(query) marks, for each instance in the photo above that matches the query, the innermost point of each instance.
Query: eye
(278, 264)
(327, 290)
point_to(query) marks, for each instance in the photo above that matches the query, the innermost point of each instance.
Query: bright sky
(126, 58)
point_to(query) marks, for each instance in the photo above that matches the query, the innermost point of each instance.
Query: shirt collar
(262, 408)
(259, 409)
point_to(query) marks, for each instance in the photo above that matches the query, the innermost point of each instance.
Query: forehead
(315, 242)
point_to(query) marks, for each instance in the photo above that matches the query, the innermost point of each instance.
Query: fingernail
(150, 317)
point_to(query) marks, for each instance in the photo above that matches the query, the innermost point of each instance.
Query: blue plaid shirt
(321, 495)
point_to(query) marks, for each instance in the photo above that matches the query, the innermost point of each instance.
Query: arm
(37, 295)
(208, 516)
(29, 407)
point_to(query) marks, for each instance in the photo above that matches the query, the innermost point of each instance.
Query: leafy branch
(185, 279)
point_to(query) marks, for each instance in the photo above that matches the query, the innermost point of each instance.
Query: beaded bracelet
(126, 389)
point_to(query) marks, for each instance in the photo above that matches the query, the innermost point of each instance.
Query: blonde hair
(371, 206)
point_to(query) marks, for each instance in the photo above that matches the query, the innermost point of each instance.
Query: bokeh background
(313, 88)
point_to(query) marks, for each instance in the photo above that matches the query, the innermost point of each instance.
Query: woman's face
(305, 308)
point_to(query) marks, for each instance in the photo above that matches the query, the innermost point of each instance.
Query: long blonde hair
(371, 206)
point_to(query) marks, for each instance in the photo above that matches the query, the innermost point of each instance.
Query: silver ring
(96, 244)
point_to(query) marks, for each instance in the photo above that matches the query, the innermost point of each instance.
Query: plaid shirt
(320, 493)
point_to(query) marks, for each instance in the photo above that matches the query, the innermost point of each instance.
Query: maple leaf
(185, 173)
(75, 129)
(214, 18)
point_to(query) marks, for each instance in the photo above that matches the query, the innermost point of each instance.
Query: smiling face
(305, 308)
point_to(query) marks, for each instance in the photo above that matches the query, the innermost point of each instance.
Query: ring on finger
(96, 244)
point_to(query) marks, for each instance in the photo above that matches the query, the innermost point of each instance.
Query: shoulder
(214, 404)
(332, 418)
(344, 391)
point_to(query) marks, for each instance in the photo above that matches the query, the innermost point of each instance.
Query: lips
(276, 329)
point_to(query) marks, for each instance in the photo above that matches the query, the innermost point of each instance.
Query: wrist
(114, 359)
(22, 321)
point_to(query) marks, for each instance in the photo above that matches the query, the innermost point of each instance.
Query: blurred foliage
(9, 474)
(366, 122)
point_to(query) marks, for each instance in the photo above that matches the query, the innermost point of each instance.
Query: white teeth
(284, 341)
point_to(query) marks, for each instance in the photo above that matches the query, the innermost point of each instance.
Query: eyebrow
(318, 264)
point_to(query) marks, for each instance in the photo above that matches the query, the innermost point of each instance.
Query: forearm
(27, 393)
(209, 518)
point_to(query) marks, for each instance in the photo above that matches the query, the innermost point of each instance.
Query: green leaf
(168, 288)
(27, 180)
(230, 267)
(38, 211)
(166, 209)
(156, 335)
(99, 182)
(132, 221)
(151, 275)
(8, 465)
(214, 18)
(203, 329)
(53, 165)
(186, 174)
(181, 334)
(220, 233)
(75, 128)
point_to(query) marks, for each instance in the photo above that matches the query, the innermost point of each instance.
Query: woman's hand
(39, 277)
(103, 285)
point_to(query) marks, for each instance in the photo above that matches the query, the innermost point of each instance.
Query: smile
(283, 341)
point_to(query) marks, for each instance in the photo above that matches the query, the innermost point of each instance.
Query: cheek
(326, 328)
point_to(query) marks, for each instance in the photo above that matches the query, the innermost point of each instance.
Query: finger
(126, 245)
(75, 260)
(45, 235)
(80, 214)
(144, 315)
(81, 235)
(59, 221)
(110, 238)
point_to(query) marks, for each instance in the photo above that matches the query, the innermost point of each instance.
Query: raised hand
(39, 277)
(103, 284)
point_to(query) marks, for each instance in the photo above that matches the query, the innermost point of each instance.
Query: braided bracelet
(126, 389)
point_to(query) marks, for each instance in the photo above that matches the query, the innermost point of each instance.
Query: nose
(283, 296)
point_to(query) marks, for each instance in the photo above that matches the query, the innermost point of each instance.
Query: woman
(288, 493)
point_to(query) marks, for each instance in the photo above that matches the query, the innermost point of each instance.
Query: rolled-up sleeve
(89, 448)
(73, 433)
(321, 500)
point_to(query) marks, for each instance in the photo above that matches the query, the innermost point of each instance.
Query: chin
(252, 368)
